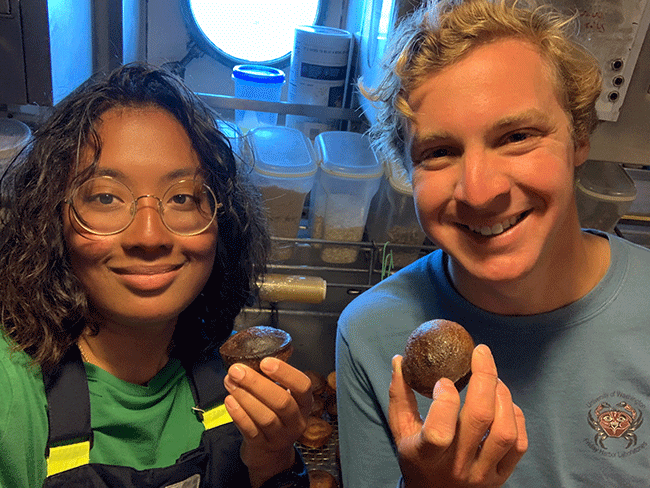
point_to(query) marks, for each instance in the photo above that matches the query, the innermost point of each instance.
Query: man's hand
(476, 446)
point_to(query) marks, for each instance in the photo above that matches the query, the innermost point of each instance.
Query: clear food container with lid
(283, 170)
(348, 177)
(13, 136)
(392, 216)
(604, 193)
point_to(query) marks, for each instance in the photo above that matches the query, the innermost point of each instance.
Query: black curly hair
(43, 306)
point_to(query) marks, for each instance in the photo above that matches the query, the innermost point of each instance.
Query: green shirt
(138, 426)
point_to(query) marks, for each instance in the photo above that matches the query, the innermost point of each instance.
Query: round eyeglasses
(105, 206)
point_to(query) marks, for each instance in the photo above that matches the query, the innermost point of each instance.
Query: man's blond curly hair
(439, 33)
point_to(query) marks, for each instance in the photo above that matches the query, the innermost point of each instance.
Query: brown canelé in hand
(250, 346)
(437, 349)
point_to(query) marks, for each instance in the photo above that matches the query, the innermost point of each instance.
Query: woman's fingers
(261, 405)
(244, 423)
(298, 384)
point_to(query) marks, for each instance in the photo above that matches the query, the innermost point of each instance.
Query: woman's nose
(147, 229)
(482, 178)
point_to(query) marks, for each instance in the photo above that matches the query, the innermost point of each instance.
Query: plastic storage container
(318, 74)
(604, 193)
(257, 82)
(641, 205)
(236, 138)
(284, 171)
(392, 216)
(348, 177)
(13, 136)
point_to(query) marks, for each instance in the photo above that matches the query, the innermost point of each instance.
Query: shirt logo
(615, 418)
(619, 421)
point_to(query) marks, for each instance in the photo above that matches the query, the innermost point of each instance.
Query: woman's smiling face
(144, 274)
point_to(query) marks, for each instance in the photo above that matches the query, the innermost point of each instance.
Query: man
(492, 105)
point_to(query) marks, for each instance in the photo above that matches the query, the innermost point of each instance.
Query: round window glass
(244, 31)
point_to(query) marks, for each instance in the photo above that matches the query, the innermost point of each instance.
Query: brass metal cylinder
(292, 288)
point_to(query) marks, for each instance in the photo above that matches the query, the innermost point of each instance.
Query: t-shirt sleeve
(368, 459)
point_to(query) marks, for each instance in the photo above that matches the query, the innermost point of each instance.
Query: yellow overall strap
(68, 403)
(68, 456)
(214, 417)
(71, 456)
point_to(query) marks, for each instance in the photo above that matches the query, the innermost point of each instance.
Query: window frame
(208, 47)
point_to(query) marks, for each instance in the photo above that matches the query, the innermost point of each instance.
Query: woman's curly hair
(44, 309)
(441, 32)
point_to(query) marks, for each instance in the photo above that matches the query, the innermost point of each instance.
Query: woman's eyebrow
(181, 173)
(103, 171)
(171, 176)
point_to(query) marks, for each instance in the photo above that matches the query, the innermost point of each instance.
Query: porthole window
(248, 31)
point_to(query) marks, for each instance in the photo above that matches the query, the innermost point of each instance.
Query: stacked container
(13, 136)
(392, 216)
(284, 170)
(234, 136)
(604, 193)
(348, 178)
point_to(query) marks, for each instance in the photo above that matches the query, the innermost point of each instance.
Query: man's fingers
(510, 460)
(478, 412)
(403, 416)
(417, 439)
(503, 432)
(440, 425)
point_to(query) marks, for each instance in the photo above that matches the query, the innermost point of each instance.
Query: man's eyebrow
(427, 139)
(532, 116)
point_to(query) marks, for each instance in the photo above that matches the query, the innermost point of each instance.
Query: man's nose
(482, 178)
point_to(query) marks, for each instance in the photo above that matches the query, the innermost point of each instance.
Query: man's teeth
(496, 229)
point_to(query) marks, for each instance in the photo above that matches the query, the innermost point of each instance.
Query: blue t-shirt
(580, 373)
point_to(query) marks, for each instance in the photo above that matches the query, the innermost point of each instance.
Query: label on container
(319, 66)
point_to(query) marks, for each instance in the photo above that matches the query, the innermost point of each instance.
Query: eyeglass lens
(104, 205)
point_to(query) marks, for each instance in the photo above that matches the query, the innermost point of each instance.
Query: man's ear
(581, 152)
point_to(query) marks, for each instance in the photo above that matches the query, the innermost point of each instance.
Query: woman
(131, 243)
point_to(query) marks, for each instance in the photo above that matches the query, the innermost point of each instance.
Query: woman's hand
(476, 446)
(270, 413)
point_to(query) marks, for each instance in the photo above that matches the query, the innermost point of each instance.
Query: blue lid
(258, 73)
